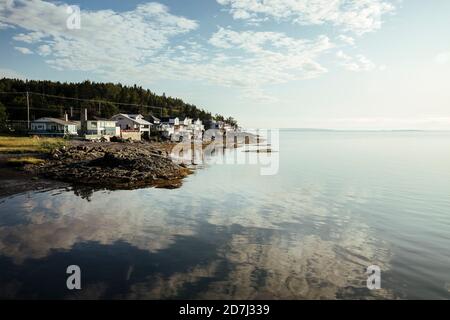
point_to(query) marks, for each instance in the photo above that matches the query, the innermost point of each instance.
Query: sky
(338, 64)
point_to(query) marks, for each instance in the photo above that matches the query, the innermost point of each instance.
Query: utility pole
(28, 111)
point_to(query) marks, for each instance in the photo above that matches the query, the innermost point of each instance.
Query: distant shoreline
(359, 130)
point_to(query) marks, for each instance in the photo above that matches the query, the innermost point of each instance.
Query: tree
(231, 121)
(113, 97)
(3, 117)
(219, 117)
(109, 109)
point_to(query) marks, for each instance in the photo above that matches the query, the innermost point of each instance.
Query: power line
(18, 92)
(97, 101)
(32, 108)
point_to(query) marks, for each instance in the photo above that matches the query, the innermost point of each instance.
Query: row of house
(178, 130)
(133, 126)
(223, 126)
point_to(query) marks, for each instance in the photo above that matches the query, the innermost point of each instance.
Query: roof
(100, 119)
(55, 120)
(133, 117)
(167, 119)
(153, 118)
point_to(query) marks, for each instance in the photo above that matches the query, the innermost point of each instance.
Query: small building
(153, 120)
(196, 128)
(97, 128)
(197, 125)
(133, 122)
(179, 130)
(221, 125)
(169, 127)
(187, 122)
(170, 121)
(53, 127)
(101, 127)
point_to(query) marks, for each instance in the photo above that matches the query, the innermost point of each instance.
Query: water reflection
(130, 244)
(230, 233)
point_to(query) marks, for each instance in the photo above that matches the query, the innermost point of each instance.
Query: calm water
(339, 203)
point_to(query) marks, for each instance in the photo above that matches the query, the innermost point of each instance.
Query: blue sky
(346, 64)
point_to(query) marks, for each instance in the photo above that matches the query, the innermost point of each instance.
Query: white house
(177, 130)
(97, 128)
(198, 125)
(196, 128)
(132, 122)
(101, 127)
(187, 122)
(170, 121)
(221, 125)
(168, 126)
(53, 127)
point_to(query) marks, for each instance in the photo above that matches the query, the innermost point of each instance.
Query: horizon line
(364, 130)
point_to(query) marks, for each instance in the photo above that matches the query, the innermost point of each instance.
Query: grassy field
(9, 144)
(21, 161)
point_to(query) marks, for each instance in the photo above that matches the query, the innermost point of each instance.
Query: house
(153, 120)
(187, 122)
(132, 122)
(53, 127)
(196, 128)
(98, 128)
(101, 127)
(171, 121)
(221, 125)
(198, 125)
(178, 130)
(169, 126)
(156, 123)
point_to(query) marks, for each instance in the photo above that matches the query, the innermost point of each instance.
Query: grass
(9, 144)
(19, 162)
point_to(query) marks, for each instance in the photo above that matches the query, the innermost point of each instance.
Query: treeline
(46, 102)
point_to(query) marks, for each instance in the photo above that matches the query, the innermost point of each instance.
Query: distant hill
(110, 99)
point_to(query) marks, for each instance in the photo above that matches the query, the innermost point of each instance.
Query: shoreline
(89, 166)
(94, 165)
(16, 182)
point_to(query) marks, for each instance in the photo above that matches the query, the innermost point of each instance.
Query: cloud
(149, 44)
(358, 16)
(357, 63)
(346, 39)
(246, 60)
(44, 50)
(23, 50)
(106, 38)
(31, 37)
(3, 26)
(271, 57)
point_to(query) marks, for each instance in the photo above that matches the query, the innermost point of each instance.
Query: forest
(102, 100)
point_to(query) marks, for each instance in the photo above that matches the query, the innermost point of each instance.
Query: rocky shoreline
(99, 165)
(113, 166)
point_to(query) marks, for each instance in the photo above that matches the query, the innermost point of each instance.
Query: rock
(106, 166)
